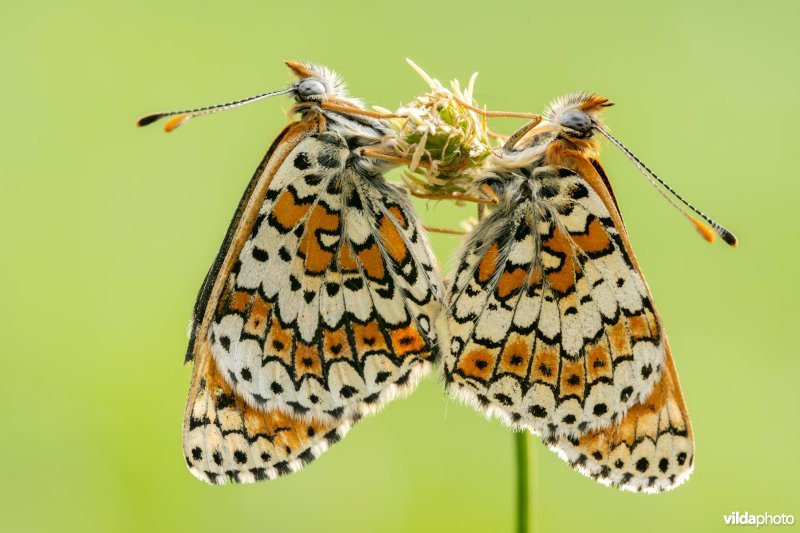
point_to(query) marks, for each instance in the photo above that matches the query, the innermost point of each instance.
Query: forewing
(552, 327)
(327, 312)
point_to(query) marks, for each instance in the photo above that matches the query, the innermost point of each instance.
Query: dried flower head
(444, 139)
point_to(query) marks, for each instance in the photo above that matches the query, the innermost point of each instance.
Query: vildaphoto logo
(764, 519)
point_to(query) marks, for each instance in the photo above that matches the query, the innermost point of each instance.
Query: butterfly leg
(349, 110)
(497, 114)
(383, 154)
(446, 231)
(520, 133)
(457, 197)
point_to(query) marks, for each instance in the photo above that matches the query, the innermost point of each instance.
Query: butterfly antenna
(653, 178)
(179, 117)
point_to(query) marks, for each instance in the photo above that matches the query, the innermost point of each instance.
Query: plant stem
(521, 444)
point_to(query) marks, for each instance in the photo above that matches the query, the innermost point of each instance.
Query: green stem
(521, 444)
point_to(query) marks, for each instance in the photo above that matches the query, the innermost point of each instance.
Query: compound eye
(577, 120)
(310, 87)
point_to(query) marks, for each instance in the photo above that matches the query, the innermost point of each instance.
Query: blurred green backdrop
(108, 232)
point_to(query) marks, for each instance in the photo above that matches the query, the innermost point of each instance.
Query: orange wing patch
(573, 378)
(535, 279)
(288, 212)
(369, 338)
(488, 264)
(347, 262)
(561, 278)
(599, 362)
(407, 340)
(372, 262)
(307, 361)
(257, 317)
(515, 357)
(478, 363)
(545, 364)
(594, 240)
(638, 326)
(279, 343)
(317, 258)
(391, 238)
(239, 301)
(511, 281)
(336, 346)
(399, 216)
(620, 340)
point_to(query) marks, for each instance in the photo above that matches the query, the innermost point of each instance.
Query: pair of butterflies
(325, 303)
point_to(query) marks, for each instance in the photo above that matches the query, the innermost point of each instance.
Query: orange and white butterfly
(322, 302)
(552, 326)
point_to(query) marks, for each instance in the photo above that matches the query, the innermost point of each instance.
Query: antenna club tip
(176, 121)
(703, 230)
(730, 239)
(148, 119)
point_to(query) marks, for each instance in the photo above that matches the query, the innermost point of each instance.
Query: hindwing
(650, 450)
(225, 439)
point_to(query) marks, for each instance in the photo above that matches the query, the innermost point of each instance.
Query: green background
(108, 230)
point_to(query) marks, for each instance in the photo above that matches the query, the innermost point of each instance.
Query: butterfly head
(576, 115)
(316, 83)
(568, 123)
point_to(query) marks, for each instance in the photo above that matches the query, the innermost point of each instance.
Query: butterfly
(321, 305)
(552, 326)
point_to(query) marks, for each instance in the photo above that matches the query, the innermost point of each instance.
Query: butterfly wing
(326, 307)
(225, 439)
(553, 327)
(650, 450)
